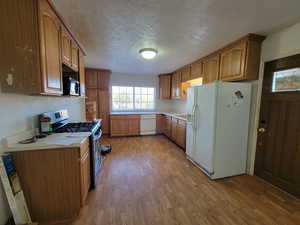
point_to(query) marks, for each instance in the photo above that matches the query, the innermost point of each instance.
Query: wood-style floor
(148, 181)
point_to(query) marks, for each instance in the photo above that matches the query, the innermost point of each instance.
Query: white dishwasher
(148, 124)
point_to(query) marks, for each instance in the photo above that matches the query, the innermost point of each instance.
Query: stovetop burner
(77, 127)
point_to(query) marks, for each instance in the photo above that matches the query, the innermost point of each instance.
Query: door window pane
(286, 80)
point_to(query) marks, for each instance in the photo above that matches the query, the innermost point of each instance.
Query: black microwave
(71, 86)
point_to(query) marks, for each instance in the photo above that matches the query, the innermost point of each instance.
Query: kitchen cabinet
(66, 48)
(168, 127)
(81, 74)
(186, 73)
(165, 86)
(174, 129)
(50, 42)
(196, 70)
(55, 189)
(160, 123)
(240, 60)
(85, 175)
(35, 49)
(75, 57)
(124, 125)
(178, 132)
(211, 68)
(176, 85)
(98, 90)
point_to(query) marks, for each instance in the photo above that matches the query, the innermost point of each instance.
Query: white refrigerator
(217, 127)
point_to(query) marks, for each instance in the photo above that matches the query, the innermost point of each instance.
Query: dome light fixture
(148, 53)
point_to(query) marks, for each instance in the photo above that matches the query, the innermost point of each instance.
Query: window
(132, 98)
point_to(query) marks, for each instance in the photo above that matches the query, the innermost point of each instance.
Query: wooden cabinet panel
(105, 116)
(165, 86)
(118, 127)
(91, 78)
(168, 127)
(54, 188)
(232, 62)
(134, 126)
(104, 80)
(196, 70)
(186, 73)
(81, 74)
(181, 133)
(75, 57)
(85, 176)
(50, 38)
(66, 47)
(211, 68)
(160, 124)
(176, 85)
(174, 129)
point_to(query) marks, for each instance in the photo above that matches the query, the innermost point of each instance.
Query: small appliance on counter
(60, 123)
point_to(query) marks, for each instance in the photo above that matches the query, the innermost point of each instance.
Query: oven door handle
(98, 135)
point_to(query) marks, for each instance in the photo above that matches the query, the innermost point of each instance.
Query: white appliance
(148, 124)
(217, 127)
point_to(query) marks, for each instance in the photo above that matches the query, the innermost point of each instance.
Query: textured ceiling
(113, 31)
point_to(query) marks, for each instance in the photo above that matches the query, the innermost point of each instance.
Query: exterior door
(278, 144)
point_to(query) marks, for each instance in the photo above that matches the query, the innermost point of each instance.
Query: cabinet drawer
(124, 117)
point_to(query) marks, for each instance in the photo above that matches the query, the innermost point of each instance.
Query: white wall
(122, 79)
(18, 113)
(277, 45)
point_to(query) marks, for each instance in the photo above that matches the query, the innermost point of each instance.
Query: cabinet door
(118, 127)
(168, 127)
(196, 70)
(211, 68)
(176, 85)
(85, 176)
(81, 74)
(104, 80)
(134, 127)
(75, 58)
(66, 48)
(50, 38)
(165, 86)
(174, 130)
(186, 73)
(181, 133)
(232, 62)
(159, 124)
(91, 78)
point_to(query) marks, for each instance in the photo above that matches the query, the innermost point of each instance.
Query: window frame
(134, 109)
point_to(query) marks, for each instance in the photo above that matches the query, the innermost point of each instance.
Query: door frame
(255, 108)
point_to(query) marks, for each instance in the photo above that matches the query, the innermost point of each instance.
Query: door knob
(261, 130)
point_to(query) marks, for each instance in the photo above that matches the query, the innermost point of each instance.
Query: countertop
(53, 141)
(180, 116)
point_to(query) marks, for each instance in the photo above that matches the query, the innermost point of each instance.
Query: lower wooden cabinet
(173, 128)
(55, 181)
(124, 125)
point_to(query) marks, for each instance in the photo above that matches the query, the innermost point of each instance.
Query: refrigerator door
(190, 131)
(205, 116)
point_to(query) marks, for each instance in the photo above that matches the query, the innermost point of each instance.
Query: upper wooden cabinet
(211, 68)
(240, 60)
(35, 49)
(165, 86)
(196, 70)
(50, 37)
(66, 47)
(176, 85)
(81, 74)
(186, 73)
(74, 57)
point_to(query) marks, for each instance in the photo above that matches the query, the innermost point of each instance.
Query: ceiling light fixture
(148, 53)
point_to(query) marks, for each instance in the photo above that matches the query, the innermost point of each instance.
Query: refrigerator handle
(195, 121)
(193, 117)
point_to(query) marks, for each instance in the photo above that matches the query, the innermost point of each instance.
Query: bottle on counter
(45, 124)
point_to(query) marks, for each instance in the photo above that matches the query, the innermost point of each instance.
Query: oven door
(96, 159)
